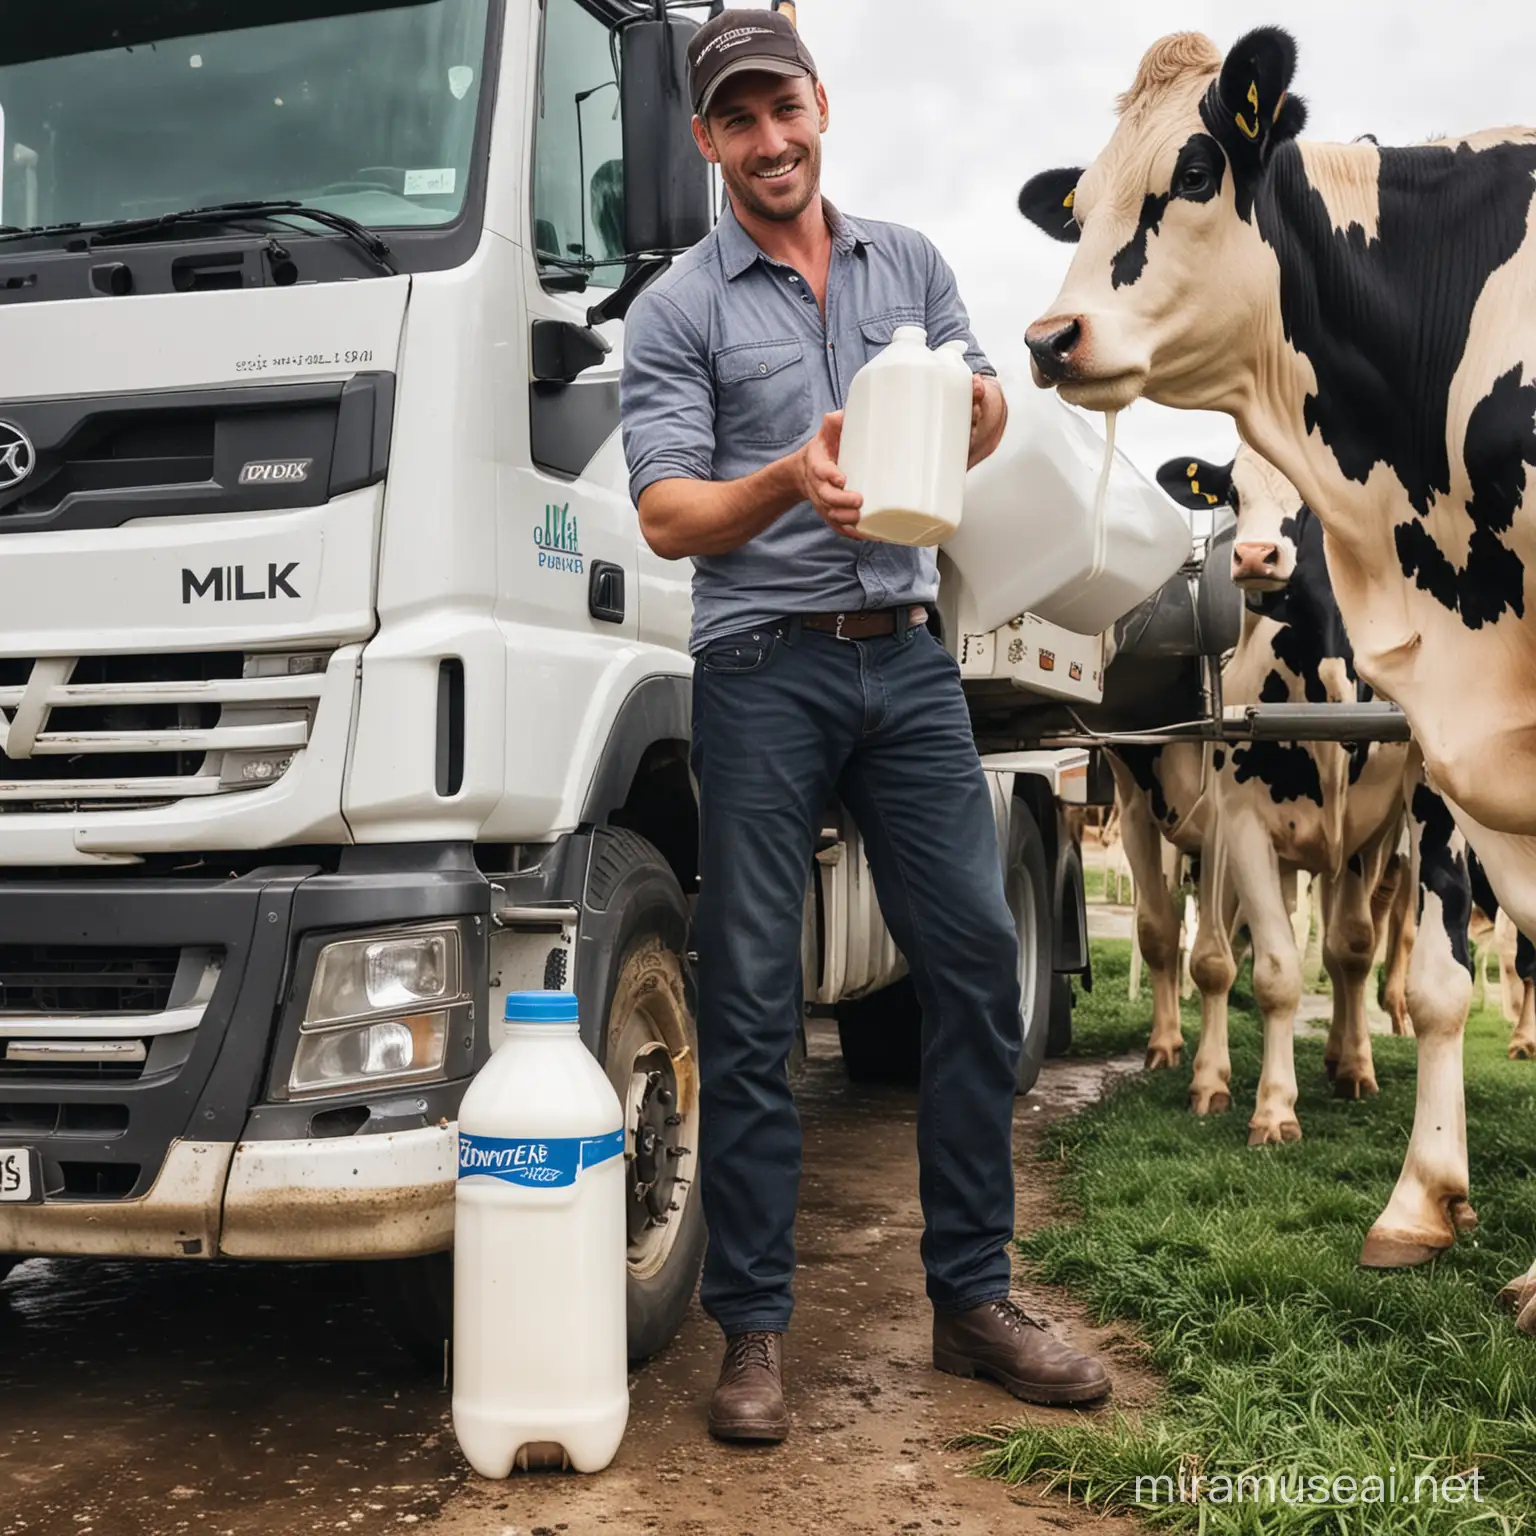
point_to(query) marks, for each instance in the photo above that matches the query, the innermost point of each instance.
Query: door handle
(605, 592)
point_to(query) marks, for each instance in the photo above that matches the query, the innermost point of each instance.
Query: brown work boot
(749, 1397)
(1001, 1341)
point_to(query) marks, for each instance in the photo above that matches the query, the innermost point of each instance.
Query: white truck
(325, 315)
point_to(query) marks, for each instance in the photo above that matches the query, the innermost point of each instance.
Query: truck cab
(339, 694)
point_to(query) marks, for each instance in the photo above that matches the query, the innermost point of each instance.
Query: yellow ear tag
(1066, 202)
(1237, 117)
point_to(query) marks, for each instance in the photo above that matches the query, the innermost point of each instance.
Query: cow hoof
(1522, 1050)
(1393, 1250)
(1520, 1297)
(1351, 1086)
(1160, 1056)
(1463, 1217)
(1209, 1101)
(1272, 1134)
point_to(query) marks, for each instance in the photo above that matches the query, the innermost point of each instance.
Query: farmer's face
(764, 132)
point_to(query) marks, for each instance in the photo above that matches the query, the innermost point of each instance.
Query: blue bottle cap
(540, 1008)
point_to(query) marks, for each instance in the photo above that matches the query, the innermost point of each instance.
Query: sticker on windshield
(420, 183)
(460, 78)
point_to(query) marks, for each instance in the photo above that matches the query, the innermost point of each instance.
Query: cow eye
(1193, 180)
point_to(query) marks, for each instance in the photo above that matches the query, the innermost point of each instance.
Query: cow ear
(1253, 109)
(1196, 483)
(1046, 200)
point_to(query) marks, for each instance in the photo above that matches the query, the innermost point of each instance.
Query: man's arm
(668, 408)
(685, 516)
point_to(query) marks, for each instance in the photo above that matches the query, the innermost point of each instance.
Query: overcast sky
(940, 112)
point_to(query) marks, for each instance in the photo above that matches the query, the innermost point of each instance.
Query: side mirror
(666, 179)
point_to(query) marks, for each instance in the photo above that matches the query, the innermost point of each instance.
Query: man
(816, 676)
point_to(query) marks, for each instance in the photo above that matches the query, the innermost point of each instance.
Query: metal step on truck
(339, 694)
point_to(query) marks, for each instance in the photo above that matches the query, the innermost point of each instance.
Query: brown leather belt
(865, 623)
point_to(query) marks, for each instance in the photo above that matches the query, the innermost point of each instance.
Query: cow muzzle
(1053, 344)
(1258, 567)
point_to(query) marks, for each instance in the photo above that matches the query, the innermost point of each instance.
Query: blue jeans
(783, 719)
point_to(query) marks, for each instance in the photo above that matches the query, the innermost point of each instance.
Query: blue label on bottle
(535, 1161)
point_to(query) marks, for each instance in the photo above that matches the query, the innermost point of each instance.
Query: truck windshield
(113, 109)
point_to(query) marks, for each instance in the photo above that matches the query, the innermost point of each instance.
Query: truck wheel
(637, 985)
(1027, 884)
(1058, 1037)
(881, 1034)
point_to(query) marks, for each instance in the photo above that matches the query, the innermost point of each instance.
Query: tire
(1058, 1035)
(881, 1034)
(1027, 884)
(636, 985)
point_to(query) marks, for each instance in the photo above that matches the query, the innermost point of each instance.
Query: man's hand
(989, 415)
(825, 484)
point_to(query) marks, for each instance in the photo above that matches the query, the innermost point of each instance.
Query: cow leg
(1506, 943)
(1522, 1044)
(1349, 953)
(1213, 969)
(1401, 928)
(1157, 926)
(1429, 1205)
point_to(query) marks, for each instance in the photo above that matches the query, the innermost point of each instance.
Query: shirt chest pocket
(762, 395)
(878, 329)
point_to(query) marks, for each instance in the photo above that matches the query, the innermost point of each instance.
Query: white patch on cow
(1347, 178)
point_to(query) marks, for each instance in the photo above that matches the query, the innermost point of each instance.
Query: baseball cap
(737, 41)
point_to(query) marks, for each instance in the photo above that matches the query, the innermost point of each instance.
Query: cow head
(1169, 266)
(1271, 516)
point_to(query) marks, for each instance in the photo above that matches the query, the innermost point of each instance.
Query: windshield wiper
(115, 231)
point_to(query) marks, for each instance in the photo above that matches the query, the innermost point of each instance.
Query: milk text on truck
(339, 695)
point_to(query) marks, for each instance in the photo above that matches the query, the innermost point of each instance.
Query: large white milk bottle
(539, 1263)
(906, 437)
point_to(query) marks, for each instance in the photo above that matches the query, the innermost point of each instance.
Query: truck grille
(118, 732)
(91, 1013)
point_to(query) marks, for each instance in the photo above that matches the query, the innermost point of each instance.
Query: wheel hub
(656, 1126)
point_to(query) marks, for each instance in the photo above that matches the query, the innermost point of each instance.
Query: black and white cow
(1367, 315)
(1260, 812)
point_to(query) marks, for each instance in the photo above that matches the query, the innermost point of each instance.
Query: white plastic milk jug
(539, 1263)
(906, 437)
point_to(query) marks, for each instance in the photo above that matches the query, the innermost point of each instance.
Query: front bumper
(199, 1157)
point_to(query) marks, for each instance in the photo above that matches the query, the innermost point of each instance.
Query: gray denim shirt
(728, 365)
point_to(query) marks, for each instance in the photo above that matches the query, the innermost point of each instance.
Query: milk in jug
(906, 437)
(540, 1365)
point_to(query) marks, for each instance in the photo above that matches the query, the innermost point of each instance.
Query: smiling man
(816, 676)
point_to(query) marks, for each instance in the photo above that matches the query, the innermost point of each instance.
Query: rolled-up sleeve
(946, 316)
(666, 396)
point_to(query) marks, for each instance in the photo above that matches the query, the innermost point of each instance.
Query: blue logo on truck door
(558, 544)
(539, 1162)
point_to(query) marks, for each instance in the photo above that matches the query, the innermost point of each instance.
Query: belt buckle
(838, 630)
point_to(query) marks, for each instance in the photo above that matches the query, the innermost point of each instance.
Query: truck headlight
(358, 977)
(379, 1010)
(355, 1054)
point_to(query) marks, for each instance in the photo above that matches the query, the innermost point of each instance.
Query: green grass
(1281, 1356)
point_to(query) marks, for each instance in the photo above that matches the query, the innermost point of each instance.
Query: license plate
(17, 1181)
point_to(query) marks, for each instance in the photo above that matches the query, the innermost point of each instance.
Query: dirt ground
(245, 1399)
